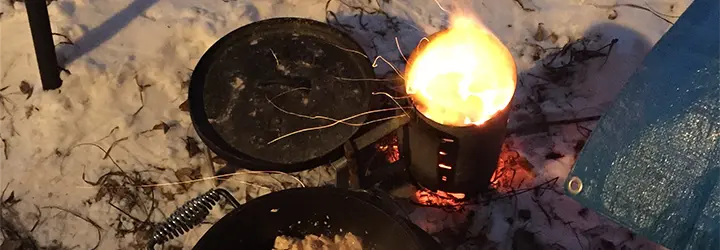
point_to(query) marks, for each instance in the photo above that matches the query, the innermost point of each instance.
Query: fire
(463, 76)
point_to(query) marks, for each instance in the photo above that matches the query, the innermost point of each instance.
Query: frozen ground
(126, 82)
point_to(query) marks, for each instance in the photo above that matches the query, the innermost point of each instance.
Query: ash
(91, 166)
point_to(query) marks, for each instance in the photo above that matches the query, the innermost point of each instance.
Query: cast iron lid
(245, 87)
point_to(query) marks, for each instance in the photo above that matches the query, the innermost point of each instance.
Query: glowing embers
(513, 172)
(444, 200)
(463, 76)
(388, 146)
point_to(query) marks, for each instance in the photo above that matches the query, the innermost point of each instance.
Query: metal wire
(189, 215)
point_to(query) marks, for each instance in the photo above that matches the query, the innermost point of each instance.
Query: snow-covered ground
(120, 110)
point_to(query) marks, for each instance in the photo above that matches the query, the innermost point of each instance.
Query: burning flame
(463, 76)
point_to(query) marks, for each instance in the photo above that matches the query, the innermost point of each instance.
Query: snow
(133, 54)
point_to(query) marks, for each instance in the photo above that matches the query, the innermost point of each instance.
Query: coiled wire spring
(189, 215)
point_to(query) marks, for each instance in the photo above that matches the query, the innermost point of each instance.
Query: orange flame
(463, 76)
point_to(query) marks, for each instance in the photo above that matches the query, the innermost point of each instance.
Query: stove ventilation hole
(446, 158)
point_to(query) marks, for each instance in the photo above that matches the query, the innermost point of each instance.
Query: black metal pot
(327, 211)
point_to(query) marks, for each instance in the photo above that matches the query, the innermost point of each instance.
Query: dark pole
(44, 44)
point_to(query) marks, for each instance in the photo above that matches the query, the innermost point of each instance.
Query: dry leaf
(29, 111)
(186, 175)
(613, 15)
(218, 160)
(26, 89)
(185, 106)
(541, 33)
(11, 200)
(191, 145)
(162, 126)
(168, 195)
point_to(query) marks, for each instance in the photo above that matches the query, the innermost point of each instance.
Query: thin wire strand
(389, 64)
(277, 62)
(333, 124)
(343, 121)
(439, 5)
(397, 44)
(362, 79)
(374, 64)
(288, 91)
(393, 99)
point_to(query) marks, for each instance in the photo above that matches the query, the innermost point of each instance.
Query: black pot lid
(243, 81)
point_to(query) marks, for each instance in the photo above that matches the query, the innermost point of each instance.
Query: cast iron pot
(327, 211)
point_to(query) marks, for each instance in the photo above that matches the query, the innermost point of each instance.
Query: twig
(125, 213)
(113, 145)
(530, 127)
(547, 216)
(88, 220)
(141, 88)
(109, 134)
(658, 15)
(67, 41)
(94, 145)
(522, 6)
(37, 222)
(5, 147)
(2, 195)
(329, 13)
(547, 184)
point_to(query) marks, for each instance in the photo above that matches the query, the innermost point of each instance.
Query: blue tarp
(653, 162)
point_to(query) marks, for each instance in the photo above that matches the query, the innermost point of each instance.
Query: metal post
(44, 45)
